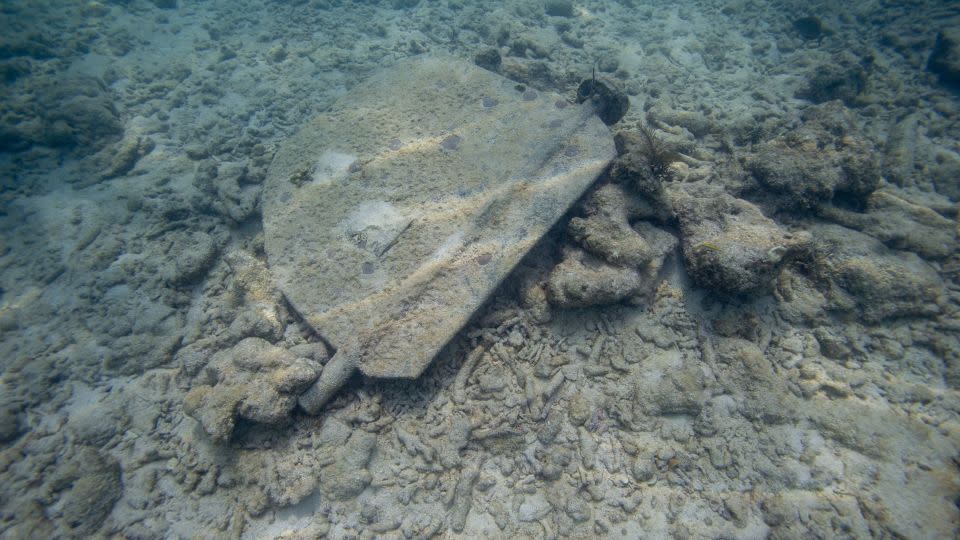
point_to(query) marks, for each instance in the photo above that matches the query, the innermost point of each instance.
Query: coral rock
(864, 278)
(728, 244)
(584, 280)
(255, 381)
(900, 224)
(348, 476)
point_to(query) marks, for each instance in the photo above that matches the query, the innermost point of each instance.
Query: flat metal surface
(391, 218)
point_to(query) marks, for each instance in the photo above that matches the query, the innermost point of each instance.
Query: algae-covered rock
(842, 78)
(558, 8)
(126, 154)
(582, 280)
(74, 113)
(88, 485)
(9, 425)
(823, 160)
(347, 476)
(900, 224)
(728, 244)
(860, 276)
(605, 231)
(253, 380)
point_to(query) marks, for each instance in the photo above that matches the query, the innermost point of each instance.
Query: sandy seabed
(758, 338)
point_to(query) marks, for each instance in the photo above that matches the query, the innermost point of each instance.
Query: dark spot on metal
(554, 124)
(489, 102)
(396, 144)
(355, 167)
(529, 95)
(571, 151)
(452, 142)
(484, 258)
(560, 104)
(367, 267)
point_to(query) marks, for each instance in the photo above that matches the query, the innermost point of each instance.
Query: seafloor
(780, 359)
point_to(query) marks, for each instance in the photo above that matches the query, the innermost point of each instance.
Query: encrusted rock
(670, 384)
(91, 484)
(347, 476)
(823, 159)
(606, 231)
(126, 154)
(189, 257)
(613, 240)
(582, 280)
(97, 423)
(533, 508)
(255, 381)
(861, 276)
(618, 261)
(253, 284)
(228, 189)
(748, 372)
(74, 113)
(693, 121)
(901, 224)
(843, 78)
(728, 244)
(643, 468)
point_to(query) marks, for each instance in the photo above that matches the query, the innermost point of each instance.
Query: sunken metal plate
(389, 219)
